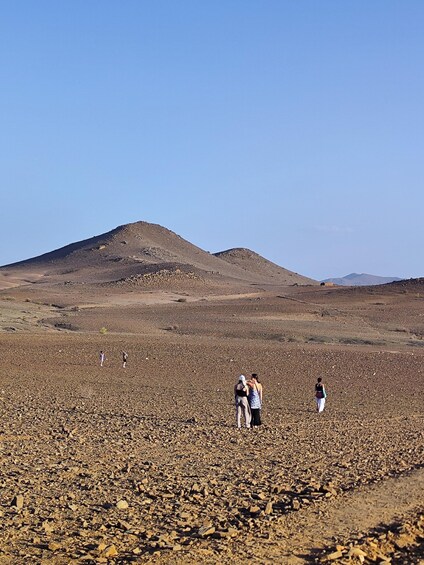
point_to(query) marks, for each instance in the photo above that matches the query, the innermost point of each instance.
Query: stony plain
(145, 464)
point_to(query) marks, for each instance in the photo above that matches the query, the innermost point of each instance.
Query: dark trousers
(256, 417)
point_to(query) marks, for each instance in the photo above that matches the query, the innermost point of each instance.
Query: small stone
(357, 552)
(18, 501)
(404, 540)
(110, 551)
(254, 510)
(206, 531)
(269, 508)
(333, 556)
(176, 547)
(122, 505)
(48, 527)
(54, 546)
(340, 547)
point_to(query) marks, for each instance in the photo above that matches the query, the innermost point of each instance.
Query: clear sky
(292, 127)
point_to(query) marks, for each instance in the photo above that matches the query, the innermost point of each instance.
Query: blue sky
(293, 128)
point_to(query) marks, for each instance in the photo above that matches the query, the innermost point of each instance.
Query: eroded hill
(135, 253)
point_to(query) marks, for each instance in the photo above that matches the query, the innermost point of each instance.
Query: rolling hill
(251, 262)
(140, 250)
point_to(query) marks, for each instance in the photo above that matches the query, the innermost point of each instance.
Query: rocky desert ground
(144, 464)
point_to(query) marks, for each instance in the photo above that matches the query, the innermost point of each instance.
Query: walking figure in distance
(102, 358)
(320, 394)
(124, 359)
(241, 391)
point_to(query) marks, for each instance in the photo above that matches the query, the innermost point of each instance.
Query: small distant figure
(241, 392)
(255, 399)
(102, 358)
(320, 394)
(124, 359)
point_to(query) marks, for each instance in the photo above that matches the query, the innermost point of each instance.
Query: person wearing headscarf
(241, 392)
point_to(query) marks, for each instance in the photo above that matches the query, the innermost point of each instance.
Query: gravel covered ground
(145, 464)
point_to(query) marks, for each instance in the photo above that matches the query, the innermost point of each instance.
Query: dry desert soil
(144, 464)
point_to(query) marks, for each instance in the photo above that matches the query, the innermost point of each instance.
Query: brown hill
(251, 262)
(408, 284)
(138, 250)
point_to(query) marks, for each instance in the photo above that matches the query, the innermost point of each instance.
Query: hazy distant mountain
(363, 279)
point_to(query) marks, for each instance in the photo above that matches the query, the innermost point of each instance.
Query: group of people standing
(248, 400)
(102, 358)
(248, 397)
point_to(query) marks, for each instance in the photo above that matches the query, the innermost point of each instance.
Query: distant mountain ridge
(363, 279)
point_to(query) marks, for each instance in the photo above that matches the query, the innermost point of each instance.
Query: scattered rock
(206, 530)
(110, 551)
(18, 501)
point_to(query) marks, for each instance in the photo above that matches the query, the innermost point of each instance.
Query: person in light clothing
(241, 392)
(255, 399)
(320, 394)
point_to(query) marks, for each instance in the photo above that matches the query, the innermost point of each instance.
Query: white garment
(243, 408)
(320, 404)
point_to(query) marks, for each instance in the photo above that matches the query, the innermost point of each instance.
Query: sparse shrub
(182, 300)
(103, 331)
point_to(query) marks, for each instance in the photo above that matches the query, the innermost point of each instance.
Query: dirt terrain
(145, 464)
